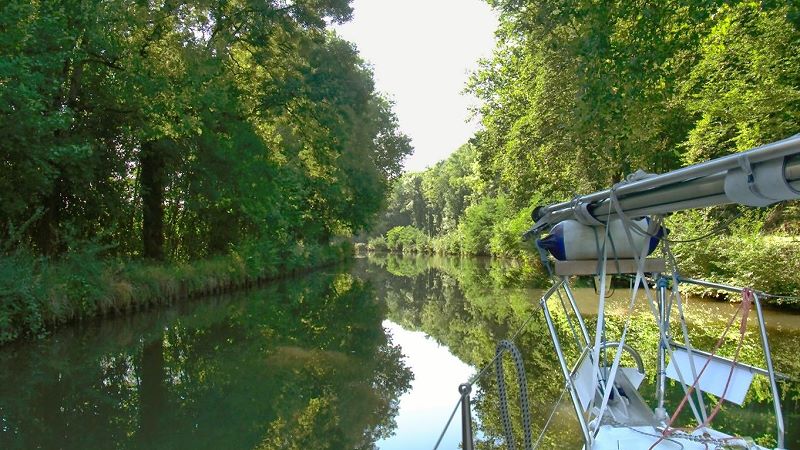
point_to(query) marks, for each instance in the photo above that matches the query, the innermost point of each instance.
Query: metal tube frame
(466, 417)
(776, 400)
(587, 435)
(574, 304)
(661, 381)
(663, 329)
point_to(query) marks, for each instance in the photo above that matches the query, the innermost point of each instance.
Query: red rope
(744, 307)
(747, 301)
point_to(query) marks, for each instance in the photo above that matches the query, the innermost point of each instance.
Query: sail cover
(758, 177)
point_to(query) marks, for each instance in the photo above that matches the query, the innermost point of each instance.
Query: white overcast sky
(422, 52)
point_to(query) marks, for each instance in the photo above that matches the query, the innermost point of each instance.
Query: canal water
(367, 355)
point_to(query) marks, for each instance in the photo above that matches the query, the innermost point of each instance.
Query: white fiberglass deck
(611, 437)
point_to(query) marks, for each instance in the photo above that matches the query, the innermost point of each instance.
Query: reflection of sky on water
(434, 392)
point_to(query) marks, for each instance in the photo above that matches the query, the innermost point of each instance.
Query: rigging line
(747, 302)
(447, 425)
(654, 311)
(552, 413)
(676, 297)
(716, 230)
(599, 333)
(694, 385)
(640, 261)
(512, 338)
(570, 321)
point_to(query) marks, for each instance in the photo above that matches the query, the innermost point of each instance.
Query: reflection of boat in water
(612, 232)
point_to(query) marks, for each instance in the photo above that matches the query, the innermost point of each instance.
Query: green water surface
(314, 363)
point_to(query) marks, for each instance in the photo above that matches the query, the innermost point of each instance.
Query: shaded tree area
(177, 131)
(579, 94)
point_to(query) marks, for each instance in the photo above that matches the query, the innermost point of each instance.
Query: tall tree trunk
(152, 164)
(45, 232)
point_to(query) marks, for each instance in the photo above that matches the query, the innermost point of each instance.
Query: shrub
(507, 237)
(447, 244)
(377, 244)
(21, 295)
(407, 239)
(746, 257)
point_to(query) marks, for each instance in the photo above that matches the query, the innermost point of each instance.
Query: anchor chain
(516, 356)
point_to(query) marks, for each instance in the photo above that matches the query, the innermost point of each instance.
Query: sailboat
(614, 232)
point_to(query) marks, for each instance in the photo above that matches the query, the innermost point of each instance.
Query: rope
(676, 297)
(747, 302)
(516, 356)
(714, 231)
(640, 260)
(743, 328)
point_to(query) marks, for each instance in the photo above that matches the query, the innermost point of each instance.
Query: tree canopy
(177, 130)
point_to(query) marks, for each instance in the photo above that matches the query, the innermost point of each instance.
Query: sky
(422, 52)
(425, 408)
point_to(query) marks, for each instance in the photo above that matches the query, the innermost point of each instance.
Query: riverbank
(38, 294)
(768, 263)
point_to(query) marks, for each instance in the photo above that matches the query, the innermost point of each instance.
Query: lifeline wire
(441, 436)
(552, 413)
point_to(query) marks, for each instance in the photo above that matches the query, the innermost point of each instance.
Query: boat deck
(611, 437)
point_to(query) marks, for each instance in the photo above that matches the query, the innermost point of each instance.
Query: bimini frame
(758, 177)
(664, 307)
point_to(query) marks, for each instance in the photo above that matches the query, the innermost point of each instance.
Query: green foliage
(314, 353)
(434, 200)
(377, 244)
(479, 224)
(742, 256)
(577, 95)
(448, 244)
(407, 239)
(180, 132)
(22, 295)
(507, 237)
(744, 87)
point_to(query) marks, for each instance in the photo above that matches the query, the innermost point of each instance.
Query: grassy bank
(37, 293)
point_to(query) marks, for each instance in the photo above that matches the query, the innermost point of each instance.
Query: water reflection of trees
(469, 305)
(295, 366)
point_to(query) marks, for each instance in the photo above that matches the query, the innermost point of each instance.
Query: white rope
(600, 316)
(686, 341)
(652, 303)
(640, 261)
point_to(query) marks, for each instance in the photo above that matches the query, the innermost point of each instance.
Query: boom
(757, 177)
